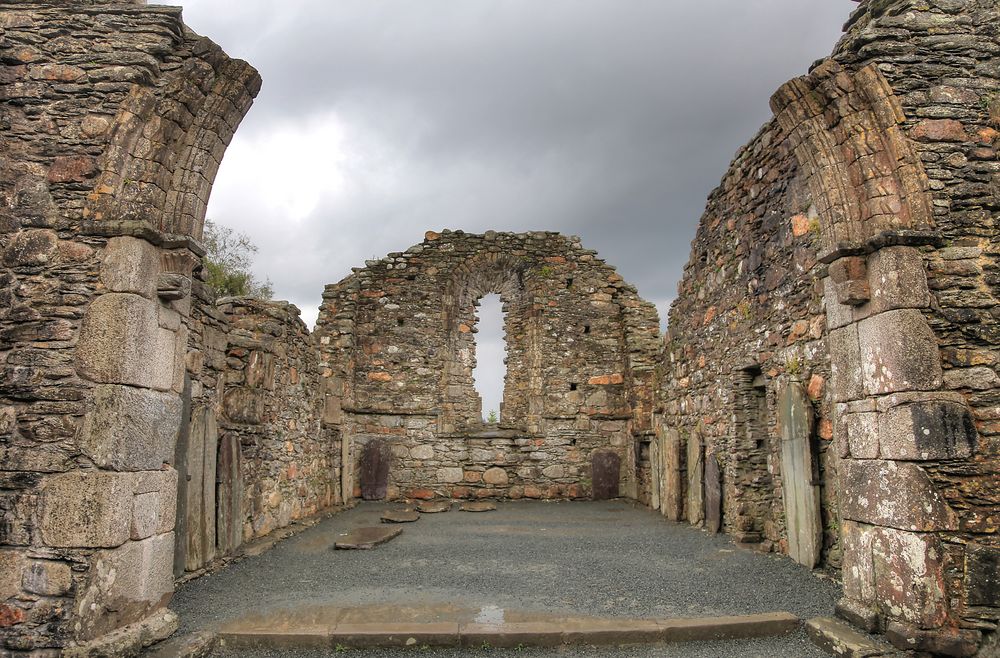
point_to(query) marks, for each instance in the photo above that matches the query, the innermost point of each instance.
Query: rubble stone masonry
(827, 387)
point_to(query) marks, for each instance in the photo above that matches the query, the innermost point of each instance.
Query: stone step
(555, 632)
(840, 639)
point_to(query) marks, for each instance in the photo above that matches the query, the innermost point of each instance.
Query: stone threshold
(556, 632)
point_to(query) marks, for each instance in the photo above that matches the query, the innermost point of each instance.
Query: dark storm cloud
(608, 119)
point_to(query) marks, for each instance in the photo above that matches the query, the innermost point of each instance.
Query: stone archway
(893, 418)
(118, 188)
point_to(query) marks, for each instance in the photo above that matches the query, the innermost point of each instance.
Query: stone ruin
(827, 388)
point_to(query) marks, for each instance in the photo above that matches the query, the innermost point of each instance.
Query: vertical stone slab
(374, 469)
(606, 469)
(229, 495)
(200, 506)
(671, 494)
(181, 465)
(346, 466)
(655, 473)
(695, 480)
(208, 509)
(800, 493)
(713, 494)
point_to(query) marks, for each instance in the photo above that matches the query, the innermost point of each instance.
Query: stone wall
(271, 413)
(398, 339)
(859, 274)
(114, 118)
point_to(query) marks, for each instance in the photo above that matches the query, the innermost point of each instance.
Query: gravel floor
(561, 558)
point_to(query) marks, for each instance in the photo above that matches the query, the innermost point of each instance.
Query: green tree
(229, 255)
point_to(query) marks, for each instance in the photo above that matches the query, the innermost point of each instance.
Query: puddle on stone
(490, 614)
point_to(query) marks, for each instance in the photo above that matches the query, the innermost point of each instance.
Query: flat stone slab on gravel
(365, 538)
(400, 516)
(434, 506)
(478, 507)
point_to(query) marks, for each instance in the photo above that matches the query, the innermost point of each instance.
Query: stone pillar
(891, 418)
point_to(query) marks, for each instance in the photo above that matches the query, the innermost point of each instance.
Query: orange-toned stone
(939, 130)
(10, 615)
(473, 476)
(464, 328)
(825, 429)
(604, 380)
(815, 388)
(461, 492)
(379, 377)
(800, 225)
(373, 294)
(555, 259)
(74, 251)
(420, 494)
(57, 72)
(531, 491)
(72, 169)
(710, 314)
(431, 236)
(987, 136)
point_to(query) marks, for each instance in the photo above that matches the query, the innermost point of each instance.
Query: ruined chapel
(827, 390)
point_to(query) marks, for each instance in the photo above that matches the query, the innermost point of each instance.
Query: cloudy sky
(607, 119)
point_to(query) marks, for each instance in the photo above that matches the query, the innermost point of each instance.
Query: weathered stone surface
(434, 506)
(606, 473)
(496, 476)
(367, 538)
(713, 494)
(12, 564)
(87, 509)
(131, 429)
(154, 508)
(909, 576)
(801, 493)
(927, 430)
(899, 353)
(672, 500)
(450, 474)
(482, 506)
(244, 405)
(695, 479)
(130, 265)
(31, 247)
(846, 381)
(400, 516)
(126, 584)
(121, 342)
(229, 495)
(862, 434)
(48, 578)
(839, 639)
(373, 473)
(199, 504)
(982, 574)
(898, 279)
(893, 494)
(939, 641)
